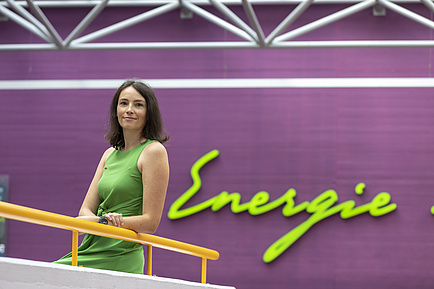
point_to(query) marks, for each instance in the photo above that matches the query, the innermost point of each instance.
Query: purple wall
(269, 140)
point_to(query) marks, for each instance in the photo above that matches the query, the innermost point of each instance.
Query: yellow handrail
(75, 225)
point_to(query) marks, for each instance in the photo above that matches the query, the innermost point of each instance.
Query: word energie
(320, 208)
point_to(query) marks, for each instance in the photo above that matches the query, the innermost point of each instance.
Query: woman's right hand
(115, 219)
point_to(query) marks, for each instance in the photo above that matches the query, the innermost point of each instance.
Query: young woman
(129, 186)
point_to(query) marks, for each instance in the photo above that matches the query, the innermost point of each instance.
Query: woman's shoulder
(154, 148)
(107, 153)
(153, 154)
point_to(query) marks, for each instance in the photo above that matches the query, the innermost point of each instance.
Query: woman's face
(131, 110)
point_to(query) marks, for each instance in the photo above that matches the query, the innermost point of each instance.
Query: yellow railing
(75, 225)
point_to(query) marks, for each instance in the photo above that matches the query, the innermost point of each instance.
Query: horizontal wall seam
(218, 83)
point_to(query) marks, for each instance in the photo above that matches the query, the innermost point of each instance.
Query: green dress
(121, 191)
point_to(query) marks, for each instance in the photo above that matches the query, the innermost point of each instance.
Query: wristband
(103, 220)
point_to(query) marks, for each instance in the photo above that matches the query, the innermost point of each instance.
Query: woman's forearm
(89, 218)
(139, 224)
(85, 212)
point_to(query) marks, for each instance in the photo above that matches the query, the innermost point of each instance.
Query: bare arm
(154, 165)
(91, 202)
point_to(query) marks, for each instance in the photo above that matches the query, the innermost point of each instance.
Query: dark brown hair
(153, 129)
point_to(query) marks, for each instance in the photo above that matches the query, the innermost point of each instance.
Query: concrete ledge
(26, 274)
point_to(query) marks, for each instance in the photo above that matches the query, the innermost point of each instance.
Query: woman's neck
(132, 140)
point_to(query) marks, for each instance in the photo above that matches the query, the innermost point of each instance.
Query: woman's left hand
(115, 219)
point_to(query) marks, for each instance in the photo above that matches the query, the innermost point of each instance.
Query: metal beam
(29, 17)
(85, 22)
(126, 23)
(326, 20)
(224, 45)
(252, 37)
(216, 20)
(429, 4)
(234, 18)
(407, 13)
(125, 3)
(54, 35)
(23, 22)
(356, 44)
(288, 20)
(254, 22)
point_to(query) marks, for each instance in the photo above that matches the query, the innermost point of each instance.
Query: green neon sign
(320, 208)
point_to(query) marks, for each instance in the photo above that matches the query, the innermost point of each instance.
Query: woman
(130, 183)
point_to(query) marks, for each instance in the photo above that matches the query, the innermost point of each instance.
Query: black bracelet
(103, 220)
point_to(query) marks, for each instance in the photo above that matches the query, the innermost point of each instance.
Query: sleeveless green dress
(121, 191)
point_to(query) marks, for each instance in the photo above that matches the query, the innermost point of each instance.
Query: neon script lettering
(320, 208)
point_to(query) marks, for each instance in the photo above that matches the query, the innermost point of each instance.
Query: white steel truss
(29, 14)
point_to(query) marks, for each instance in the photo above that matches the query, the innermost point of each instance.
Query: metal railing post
(203, 279)
(149, 260)
(74, 248)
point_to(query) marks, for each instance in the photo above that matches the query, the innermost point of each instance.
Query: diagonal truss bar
(234, 18)
(254, 22)
(55, 36)
(216, 20)
(29, 17)
(407, 13)
(288, 20)
(126, 23)
(24, 23)
(326, 20)
(85, 22)
(429, 4)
